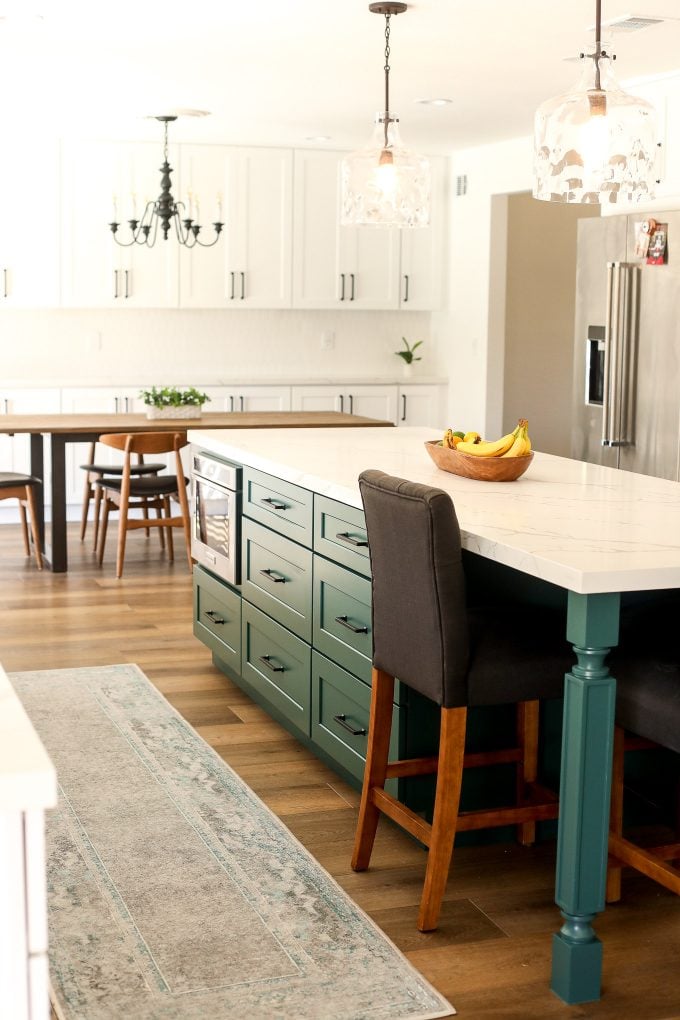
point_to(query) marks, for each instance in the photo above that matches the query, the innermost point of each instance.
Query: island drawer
(217, 617)
(277, 577)
(340, 534)
(342, 617)
(341, 707)
(277, 665)
(280, 505)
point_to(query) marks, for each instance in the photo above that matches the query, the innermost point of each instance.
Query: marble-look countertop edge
(573, 488)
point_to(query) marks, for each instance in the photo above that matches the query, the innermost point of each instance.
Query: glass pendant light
(385, 184)
(596, 143)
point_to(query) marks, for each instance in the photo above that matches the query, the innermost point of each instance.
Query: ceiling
(273, 73)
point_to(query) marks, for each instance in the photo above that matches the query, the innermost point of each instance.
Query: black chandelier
(166, 212)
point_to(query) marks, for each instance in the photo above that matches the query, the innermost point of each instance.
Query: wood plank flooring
(491, 954)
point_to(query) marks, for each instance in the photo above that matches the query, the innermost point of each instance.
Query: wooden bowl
(484, 469)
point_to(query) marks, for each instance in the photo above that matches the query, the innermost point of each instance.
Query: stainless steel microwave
(216, 516)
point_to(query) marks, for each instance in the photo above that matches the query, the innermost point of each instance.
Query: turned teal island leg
(589, 702)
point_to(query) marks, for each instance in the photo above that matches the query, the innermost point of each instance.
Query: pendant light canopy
(596, 143)
(385, 184)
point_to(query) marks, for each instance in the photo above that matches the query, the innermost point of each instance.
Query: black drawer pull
(345, 536)
(212, 615)
(350, 626)
(266, 660)
(273, 576)
(340, 719)
(273, 504)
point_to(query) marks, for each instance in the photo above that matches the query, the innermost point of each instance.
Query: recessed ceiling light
(434, 102)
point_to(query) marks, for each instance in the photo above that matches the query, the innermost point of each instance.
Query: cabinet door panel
(423, 251)
(317, 398)
(316, 268)
(373, 402)
(422, 405)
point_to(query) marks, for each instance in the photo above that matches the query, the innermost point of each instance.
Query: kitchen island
(592, 532)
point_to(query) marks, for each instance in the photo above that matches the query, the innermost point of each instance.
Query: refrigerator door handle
(622, 362)
(610, 328)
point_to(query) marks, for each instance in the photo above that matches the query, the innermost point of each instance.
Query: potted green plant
(408, 355)
(171, 402)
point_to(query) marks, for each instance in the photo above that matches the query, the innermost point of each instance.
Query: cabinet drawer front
(280, 505)
(340, 712)
(340, 534)
(277, 664)
(342, 617)
(277, 577)
(217, 617)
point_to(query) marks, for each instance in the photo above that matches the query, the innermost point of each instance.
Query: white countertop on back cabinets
(580, 526)
(391, 379)
(27, 777)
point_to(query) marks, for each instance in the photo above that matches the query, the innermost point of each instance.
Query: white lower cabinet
(247, 398)
(369, 401)
(422, 404)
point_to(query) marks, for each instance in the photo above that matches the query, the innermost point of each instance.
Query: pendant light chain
(387, 75)
(598, 43)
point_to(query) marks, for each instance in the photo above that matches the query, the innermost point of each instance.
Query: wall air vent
(461, 185)
(631, 23)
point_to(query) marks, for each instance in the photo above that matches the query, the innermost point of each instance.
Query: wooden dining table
(57, 430)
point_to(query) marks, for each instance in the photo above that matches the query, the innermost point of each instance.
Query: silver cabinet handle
(345, 536)
(403, 407)
(405, 297)
(243, 286)
(342, 286)
(5, 292)
(213, 617)
(115, 283)
(351, 277)
(273, 575)
(233, 285)
(127, 283)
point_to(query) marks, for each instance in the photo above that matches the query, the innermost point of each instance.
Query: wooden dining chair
(145, 493)
(94, 473)
(458, 656)
(22, 487)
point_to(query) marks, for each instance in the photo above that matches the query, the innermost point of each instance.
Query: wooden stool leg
(379, 730)
(122, 536)
(447, 800)
(33, 514)
(168, 513)
(159, 514)
(97, 513)
(613, 894)
(527, 769)
(24, 525)
(104, 528)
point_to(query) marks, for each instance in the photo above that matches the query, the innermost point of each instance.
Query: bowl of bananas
(467, 454)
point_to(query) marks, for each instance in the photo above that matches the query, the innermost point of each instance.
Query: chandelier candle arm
(596, 144)
(385, 184)
(166, 212)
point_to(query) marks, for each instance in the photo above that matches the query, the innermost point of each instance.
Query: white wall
(66, 347)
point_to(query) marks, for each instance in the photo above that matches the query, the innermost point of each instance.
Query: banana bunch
(515, 444)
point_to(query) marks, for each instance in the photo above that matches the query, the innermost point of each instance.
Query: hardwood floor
(491, 954)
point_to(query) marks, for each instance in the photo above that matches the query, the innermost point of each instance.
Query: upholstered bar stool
(22, 487)
(456, 655)
(647, 670)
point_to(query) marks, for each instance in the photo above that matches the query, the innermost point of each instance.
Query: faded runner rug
(175, 893)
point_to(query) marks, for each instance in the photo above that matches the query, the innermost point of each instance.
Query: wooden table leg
(585, 785)
(59, 558)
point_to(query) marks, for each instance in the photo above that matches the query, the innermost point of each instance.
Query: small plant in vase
(171, 402)
(408, 355)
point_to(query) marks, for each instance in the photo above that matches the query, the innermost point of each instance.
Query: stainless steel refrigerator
(627, 349)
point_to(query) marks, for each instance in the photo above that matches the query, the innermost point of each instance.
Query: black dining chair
(457, 655)
(647, 670)
(22, 487)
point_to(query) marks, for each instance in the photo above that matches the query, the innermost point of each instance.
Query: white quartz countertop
(27, 777)
(583, 527)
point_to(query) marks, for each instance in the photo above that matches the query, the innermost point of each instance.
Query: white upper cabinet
(334, 266)
(29, 225)
(250, 266)
(101, 179)
(422, 251)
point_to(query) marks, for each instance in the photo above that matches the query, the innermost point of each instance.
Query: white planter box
(183, 411)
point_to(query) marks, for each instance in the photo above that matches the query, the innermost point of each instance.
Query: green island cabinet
(296, 637)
